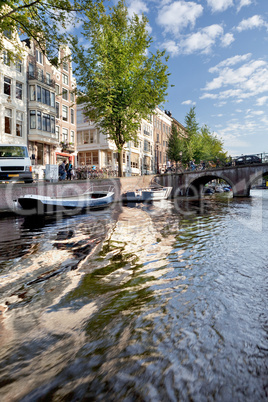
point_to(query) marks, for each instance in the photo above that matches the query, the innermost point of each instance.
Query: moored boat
(147, 194)
(33, 204)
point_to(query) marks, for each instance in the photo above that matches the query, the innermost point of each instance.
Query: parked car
(247, 159)
(208, 190)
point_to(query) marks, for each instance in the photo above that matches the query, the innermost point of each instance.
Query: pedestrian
(62, 171)
(70, 171)
(192, 164)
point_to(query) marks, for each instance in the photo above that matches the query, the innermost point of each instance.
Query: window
(79, 116)
(57, 87)
(72, 116)
(64, 113)
(45, 122)
(72, 137)
(31, 70)
(65, 66)
(18, 65)
(72, 96)
(48, 79)
(47, 98)
(65, 79)
(18, 90)
(57, 110)
(52, 99)
(64, 135)
(57, 132)
(32, 92)
(39, 56)
(64, 94)
(146, 146)
(38, 95)
(52, 119)
(40, 74)
(32, 119)
(7, 86)
(19, 119)
(39, 120)
(6, 58)
(92, 137)
(86, 137)
(8, 121)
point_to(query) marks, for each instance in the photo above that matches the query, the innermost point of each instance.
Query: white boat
(157, 193)
(40, 204)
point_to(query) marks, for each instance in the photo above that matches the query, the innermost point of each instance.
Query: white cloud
(257, 112)
(201, 41)
(188, 102)
(231, 61)
(230, 76)
(178, 15)
(253, 22)
(137, 7)
(262, 100)
(171, 47)
(219, 5)
(227, 39)
(250, 79)
(243, 3)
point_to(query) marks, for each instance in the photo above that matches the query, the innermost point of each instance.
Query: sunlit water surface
(162, 302)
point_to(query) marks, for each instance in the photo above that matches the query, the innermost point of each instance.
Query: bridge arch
(195, 187)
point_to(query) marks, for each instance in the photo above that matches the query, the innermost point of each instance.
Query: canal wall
(9, 192)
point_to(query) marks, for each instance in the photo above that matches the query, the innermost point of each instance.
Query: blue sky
(218, 63)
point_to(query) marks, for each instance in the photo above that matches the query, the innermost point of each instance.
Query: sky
(218, 62)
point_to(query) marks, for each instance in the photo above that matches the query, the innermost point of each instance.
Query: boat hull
(147, 195)
(40, 205)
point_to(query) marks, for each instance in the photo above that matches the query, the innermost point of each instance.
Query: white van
(15, 164)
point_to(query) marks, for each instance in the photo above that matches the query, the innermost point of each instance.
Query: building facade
(13, 95)
(51, 108)
(95, 149)
(162, 122)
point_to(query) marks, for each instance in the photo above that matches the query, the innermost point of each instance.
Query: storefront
(40, 154)
(62, 156)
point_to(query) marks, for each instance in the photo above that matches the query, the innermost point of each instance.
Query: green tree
(211, 147)
(46, 21)
(175, 145)
(191, 143)
(120, 82)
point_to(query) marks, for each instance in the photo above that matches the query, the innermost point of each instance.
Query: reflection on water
(165, 301)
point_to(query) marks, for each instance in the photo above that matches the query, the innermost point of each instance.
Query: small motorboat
(39, 204)
(156, 193)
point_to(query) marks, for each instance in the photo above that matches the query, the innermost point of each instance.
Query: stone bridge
(191, 183)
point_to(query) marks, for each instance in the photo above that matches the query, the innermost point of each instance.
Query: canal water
(161, 302)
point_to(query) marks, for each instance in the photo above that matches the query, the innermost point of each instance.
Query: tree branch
(14, 10)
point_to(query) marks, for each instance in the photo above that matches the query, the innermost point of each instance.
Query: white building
(51, 108)
(13, 95)
(95, 148)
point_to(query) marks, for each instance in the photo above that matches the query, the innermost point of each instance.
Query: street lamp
(157, 157)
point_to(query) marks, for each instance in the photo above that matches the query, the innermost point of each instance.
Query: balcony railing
(36, 76)
(67, 147)
(145, 132)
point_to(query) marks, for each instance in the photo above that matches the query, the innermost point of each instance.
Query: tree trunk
(120, 164)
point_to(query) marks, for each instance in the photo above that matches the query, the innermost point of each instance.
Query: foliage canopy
(200, 145)
(120, 82)
(46, 21)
